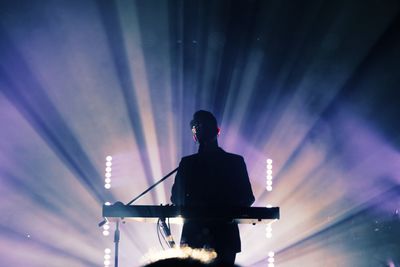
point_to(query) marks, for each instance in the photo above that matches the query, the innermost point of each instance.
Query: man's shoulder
(233, 156)
(189, 157)
(226, 155)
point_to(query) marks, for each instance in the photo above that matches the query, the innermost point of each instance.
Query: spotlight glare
(109, 158)
(269, 167)
(107, 251)
(108, 180)
(269, 177)
(106, 262)
(271, 260)
(107, 186)
(106, 227)
(106, 233)
(269, 188)
(108, 169)
(108, 164)
(107, 203)
(269, 172)
(108, 175)
(269, 182)
(107, 257)
(269, 161)
(271, 254)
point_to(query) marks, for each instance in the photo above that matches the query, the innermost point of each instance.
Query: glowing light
(268, 230)
(108, 175)
(269, 161)
(271, 259)
(106, 227)
(107, 251)
(269, 167)
(107, 186)
(108, 169)
(109, 158)
(106, 233)
(269, 182)
(108, 163)
(107, 180)
(269, 177)
(107, 203)
(269, 172)
(107, 257)
(269, 188)
(106, 263)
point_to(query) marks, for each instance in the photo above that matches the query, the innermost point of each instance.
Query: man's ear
(218, 131)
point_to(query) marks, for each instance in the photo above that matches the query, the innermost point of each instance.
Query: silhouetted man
(211, 178)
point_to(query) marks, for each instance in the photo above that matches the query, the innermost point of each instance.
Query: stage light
(106, 233)
(107, 203)
(107, 257)
(107, 181)
(106, 263)
(269, 175)
(271, 259)
(106, 227)
(107, 251)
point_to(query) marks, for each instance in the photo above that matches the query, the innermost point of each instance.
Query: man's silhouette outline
(211, 178)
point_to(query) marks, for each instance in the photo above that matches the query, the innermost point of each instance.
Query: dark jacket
(214, 179)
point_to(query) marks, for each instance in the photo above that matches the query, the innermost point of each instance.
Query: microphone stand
(116, 233)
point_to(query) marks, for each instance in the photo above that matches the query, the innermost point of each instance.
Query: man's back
(212, 178)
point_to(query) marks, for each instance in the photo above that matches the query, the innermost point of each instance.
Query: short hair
(204, 116)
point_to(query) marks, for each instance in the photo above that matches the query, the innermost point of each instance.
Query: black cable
(158, 234)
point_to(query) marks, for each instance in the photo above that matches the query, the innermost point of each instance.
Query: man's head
(204, 126)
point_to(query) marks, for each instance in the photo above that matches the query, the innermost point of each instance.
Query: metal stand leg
(116, 241)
